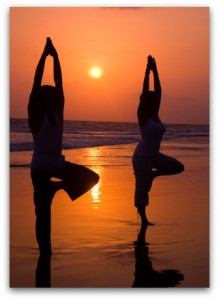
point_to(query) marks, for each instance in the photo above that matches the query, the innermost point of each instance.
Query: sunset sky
(118, 41)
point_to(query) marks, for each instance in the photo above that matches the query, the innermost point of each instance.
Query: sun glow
(95, 72)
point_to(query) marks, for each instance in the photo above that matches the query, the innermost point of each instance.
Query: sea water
(86, 134)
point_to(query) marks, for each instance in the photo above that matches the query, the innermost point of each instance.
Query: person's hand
(148, 68)
(46, 49)
(51, 48)
(151, 63)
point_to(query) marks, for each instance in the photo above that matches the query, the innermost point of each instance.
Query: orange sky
(119, 41)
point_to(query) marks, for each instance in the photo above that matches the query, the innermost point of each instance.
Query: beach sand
(94, 237)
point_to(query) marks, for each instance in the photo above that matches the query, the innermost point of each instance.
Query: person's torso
(151, 136)
(48, 145)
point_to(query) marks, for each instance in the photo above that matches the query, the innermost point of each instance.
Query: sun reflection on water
(95, 192)
(93, 160)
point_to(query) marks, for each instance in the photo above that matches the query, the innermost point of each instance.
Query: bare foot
(144, 219)
(146, 223)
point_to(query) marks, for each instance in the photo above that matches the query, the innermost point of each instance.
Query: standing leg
(42, 200)
(143, 216)
(142, 169)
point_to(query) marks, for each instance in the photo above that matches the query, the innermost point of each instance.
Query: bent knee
(95, 178)
(180, 167)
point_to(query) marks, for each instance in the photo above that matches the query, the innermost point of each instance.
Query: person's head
(151, 101)
(48, 97)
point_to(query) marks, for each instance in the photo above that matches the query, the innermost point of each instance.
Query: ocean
(86, 134)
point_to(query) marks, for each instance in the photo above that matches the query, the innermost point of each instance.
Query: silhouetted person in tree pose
(45, 112)
(148, 162)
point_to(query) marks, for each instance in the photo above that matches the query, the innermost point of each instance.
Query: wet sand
(95, 237)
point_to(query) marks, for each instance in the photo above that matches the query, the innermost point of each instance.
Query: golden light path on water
(93, 156)
(95, 192)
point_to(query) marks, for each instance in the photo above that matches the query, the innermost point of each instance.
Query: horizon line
(135, 122)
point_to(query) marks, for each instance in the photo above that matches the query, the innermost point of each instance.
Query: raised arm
(157, 86)
(57, 67)
(34, 107)
(37, 106)
(57, 73)
(146, 81)
(142, 111)
(149, 100)
(40, 69)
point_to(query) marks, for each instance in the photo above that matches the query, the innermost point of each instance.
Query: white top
(151, 134)
(47, 140)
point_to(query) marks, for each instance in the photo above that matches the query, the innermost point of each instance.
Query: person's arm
(57, 67)
(33, 99)
(40, 68)
(157, 85)
(34, 107)
(142, 112)
(57, 77)
(57, 73)
(146, 81)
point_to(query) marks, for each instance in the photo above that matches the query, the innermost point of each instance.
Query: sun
(95, 72)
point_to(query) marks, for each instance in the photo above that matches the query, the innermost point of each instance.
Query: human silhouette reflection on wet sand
(145, 275)
(43, 272)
